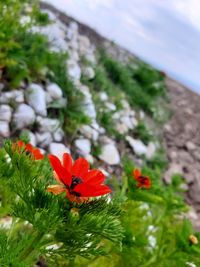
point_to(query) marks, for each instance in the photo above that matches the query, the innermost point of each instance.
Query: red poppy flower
(76, 179)
(143, 181)
(35, 152)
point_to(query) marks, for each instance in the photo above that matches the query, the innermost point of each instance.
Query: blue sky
(165, 33)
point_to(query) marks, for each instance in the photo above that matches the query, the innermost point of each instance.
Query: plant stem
(29, 249)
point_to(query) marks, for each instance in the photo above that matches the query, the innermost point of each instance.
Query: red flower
(35, 152)
(76, 179)
(143, 181)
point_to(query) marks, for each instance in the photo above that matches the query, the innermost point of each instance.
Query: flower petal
(87, 190)
(20, 143)
(63, 174)
(94, 177)
(80, 168)
(136, 174)
(67, 162)
(56, 189)
(37, 154)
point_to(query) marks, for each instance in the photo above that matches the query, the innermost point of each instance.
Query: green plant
(143, 132)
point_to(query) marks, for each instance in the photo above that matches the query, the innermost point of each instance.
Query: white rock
(43, 139)
(90, 57)
(89, 72)
(36, 99)
(54, 90)
(74, 56)
(4, 129)
(89, 158)
(48, 125)
(71, 34)
(151, 149)
(31, 137)
(121, 128)
(58, 135)
(15, 95)
(89, 110)
(141, 114)
(125, 104)
(103, 96)
(89, 132)
(137, 145)
(48, 98)
(83, 145)
(134, 121)
(190, 146)
(84, 44)
(73, 45)
(5, 113)
(110, 154)
(110, 106)
(58, 149)
(74, 70)
(24, 116)
(128, 122)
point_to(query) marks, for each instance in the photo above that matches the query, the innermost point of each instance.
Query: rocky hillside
(101, 119)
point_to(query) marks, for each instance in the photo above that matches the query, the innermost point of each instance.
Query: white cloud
(190, 9)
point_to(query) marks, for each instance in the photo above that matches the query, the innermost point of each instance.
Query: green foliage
(143, 132)
(142, 84)
(25, 55)
(16, 55)
(42, 219)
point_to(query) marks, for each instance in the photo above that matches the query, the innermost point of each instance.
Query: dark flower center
(75, 182)
(143, 179)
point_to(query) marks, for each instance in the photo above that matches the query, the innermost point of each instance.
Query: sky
(164, 33)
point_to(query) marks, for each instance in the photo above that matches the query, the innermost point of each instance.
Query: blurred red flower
(76, 179)
(143, 181)
(35, 152)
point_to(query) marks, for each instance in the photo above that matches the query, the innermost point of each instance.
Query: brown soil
(182, 137)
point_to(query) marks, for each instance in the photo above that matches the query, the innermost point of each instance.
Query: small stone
(58, 150)
(89, 72)
(58, 135)
(103, 96)
(54, 90)
(74, 70)
(190, 146)
(43, 139)
(110, 154)
(15, 95)
(121, 128)
(125, 104)
(83, 146)
(4, 129)
(24, 116)
(36, 99)
(5, 113)
(151, 149)
(89, 132)
(90, 57)
(137, 145)
(110, 106)
(84, 44)
(89, 158)
(48, 125)
(128, 122)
